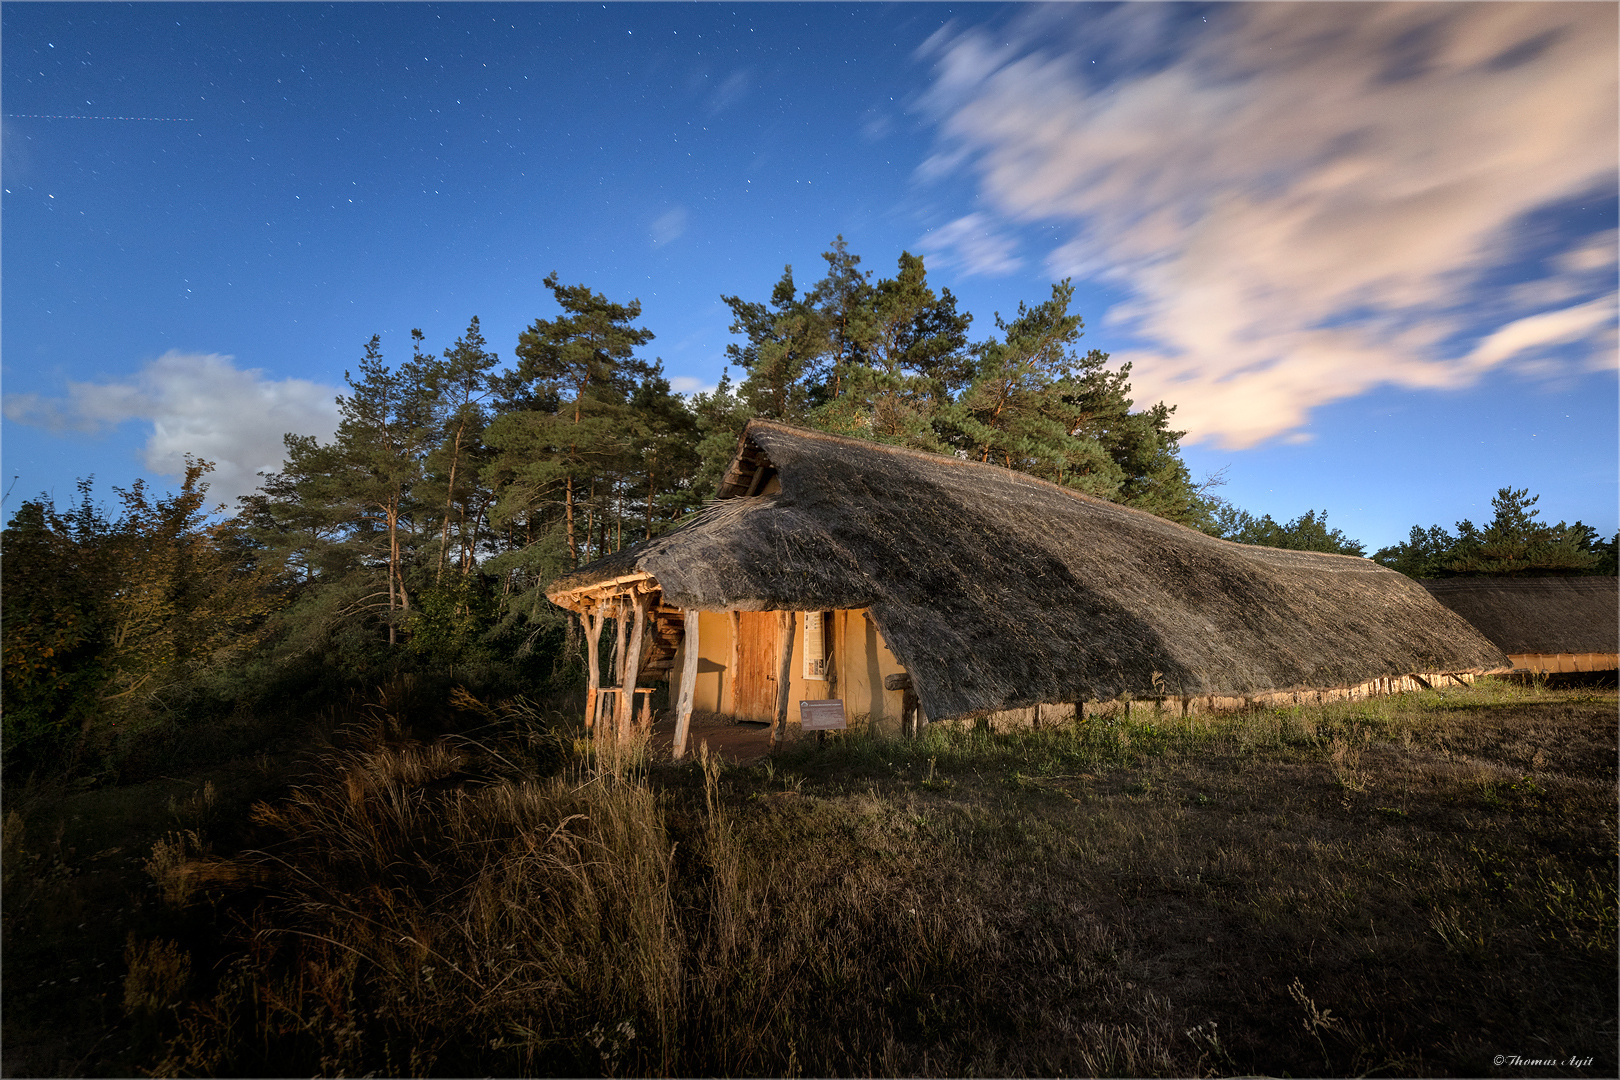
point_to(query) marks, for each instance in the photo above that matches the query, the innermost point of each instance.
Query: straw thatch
(1538, 615)
(997, 590)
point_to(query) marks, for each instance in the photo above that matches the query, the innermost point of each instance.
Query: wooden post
(830, 638)
(790, 623)
(689, 668)
(632, 666)
(910, 723)
(618, 646)
(728, 696)
(592, 618)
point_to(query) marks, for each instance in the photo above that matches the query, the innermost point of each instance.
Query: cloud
(877, 125)
(687, 385)
(1303, 201)
(197, 404)
(1536, 332)
(971, 244)
(1596, 253)
(669, 226)
(732, 89)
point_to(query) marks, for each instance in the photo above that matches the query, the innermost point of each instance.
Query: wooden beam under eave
(602, 591)
(689, 670)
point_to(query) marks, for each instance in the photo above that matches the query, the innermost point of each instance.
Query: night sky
(1368, 252)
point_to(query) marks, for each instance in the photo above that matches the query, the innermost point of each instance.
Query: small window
(816, 629)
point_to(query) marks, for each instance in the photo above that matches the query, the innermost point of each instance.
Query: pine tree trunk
(568, 502)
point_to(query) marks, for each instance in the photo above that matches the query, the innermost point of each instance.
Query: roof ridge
(854, 442)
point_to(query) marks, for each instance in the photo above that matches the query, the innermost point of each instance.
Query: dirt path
(742, 743)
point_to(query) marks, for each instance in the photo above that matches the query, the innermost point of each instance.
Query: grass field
(1410, 886)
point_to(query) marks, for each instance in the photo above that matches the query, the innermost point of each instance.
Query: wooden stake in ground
(689, 669)
(632, 666)
(784, 683)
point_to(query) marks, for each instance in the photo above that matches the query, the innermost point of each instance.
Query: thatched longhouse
(992, 589)
(1544, 624)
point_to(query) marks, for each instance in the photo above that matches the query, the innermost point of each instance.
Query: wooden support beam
(689, 669)
(593, 634)
(910, 722)
(784, 683)
(632, 666)
(618, 642)
(587, 596)
(728, 696)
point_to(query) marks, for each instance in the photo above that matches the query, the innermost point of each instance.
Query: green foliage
(890, 360)
(1308, 532)
(109, 623)
(1514, 544)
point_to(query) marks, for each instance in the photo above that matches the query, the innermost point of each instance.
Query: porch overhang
(591, 597)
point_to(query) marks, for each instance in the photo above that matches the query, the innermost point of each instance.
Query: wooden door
(759, 634)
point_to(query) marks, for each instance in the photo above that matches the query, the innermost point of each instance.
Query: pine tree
(664, 437)
(376, 463)
(905, 353)
(1515, 543)
(785, 343)
(890, 361)
(570, 447)
(457, 387)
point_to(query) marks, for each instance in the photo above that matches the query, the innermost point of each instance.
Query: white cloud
(1597, 253)
(877, 126)
(669, 226)
(972, 244)
(1527, 335)
(686, 384)
(197, 404)
(1302, 199)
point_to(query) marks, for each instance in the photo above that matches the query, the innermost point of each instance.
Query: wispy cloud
(688, 385)
(197, 404)
(972, 244)
(1305, 201)
(669, 226)
(732, 89)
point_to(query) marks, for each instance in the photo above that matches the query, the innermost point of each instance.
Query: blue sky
(1369, 252)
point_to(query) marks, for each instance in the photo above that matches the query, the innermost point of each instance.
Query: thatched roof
(997, 590)
(1538, 615)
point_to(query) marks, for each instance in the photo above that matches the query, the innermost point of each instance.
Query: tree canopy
(891, 360)
(1514, 544)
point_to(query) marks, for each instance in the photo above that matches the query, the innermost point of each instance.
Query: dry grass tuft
(157, 975)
